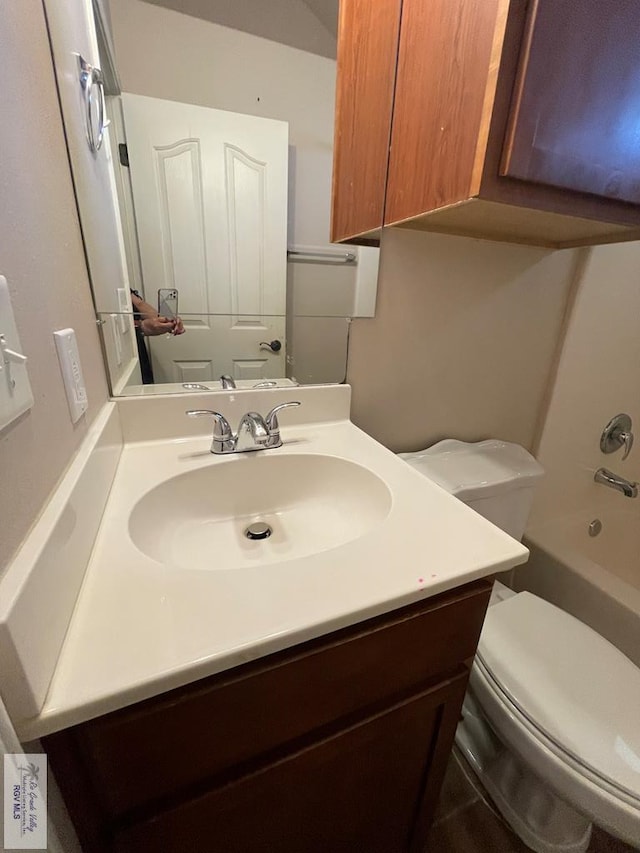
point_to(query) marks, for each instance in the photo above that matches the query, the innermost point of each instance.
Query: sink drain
(258, 530)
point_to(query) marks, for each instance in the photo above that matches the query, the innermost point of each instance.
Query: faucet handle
(271, 419)
(617, 434)
(626, 440)
(273, 425)
(222, 441)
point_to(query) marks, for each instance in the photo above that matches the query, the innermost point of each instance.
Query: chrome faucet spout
(252, 432)
(614, 481)
(227, 381)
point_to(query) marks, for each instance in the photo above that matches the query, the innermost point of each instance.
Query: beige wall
(463, 342)
(42, 257)
(308, 26)
(597, 378)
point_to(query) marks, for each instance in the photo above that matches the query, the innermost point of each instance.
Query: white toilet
(551, 720)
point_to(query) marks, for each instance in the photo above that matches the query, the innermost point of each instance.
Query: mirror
(229, 350)
(219, 157)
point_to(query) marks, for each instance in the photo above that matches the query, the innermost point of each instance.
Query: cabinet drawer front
(244, 714)
(357, 790)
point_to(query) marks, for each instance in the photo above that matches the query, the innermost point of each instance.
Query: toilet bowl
(551, 720)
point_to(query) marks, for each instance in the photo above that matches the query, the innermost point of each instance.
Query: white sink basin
(197, 520)
(356, 533)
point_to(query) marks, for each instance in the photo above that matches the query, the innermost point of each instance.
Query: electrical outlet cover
(69, 357)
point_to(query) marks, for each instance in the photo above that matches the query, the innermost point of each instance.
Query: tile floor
(467, 823)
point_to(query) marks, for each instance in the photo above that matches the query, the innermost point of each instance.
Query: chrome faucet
(227, 381)
(254, 431)
(617, 433)
(613, 481)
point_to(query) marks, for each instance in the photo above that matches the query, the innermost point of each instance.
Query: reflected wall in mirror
(210, 196)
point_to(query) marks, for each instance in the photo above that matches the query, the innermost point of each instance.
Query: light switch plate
(69, 357)
(124, 309)
(15, 389)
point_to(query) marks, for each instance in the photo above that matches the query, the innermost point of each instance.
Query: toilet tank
(495, 478)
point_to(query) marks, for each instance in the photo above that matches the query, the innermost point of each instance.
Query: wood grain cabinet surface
(338, 744)
(511, 120)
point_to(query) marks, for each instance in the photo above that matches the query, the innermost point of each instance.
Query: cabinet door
(302, 690)
(575, 121)
(365, 788)
(367, 51)
(442, 103)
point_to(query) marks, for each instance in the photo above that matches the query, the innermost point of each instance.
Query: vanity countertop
(142, 627)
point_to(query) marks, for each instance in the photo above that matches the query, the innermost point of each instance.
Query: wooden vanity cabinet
(338, 744)
(512, 120)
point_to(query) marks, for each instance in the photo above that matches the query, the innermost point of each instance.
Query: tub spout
(613, 481)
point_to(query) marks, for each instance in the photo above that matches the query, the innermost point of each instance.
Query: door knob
(274, 346)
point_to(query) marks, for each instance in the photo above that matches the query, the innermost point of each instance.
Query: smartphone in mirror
(168, 302)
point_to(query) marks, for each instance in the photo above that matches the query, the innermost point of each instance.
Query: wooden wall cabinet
(339, 744)
(514, 120)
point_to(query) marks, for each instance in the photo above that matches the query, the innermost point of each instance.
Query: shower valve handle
(626, 440)
(617, 433)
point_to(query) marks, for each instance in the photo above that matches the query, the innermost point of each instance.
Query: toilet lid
(481, 469)
(570, 682)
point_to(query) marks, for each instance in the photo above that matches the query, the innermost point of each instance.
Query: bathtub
(596, 579)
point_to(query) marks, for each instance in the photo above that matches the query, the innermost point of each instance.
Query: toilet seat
(557, 749)
(537, 691)
(572, 685)
(565, 777)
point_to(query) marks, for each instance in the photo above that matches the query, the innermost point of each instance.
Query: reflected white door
(210, 196)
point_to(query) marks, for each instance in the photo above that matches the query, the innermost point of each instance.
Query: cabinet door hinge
(124, 153)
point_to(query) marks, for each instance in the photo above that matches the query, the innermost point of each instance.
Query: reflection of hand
(178, 327)
(152, 326)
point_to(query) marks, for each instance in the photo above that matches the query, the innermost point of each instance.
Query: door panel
(181, 238)
(210, 196)
(249, 368)
(192, 371)
(575, 121)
